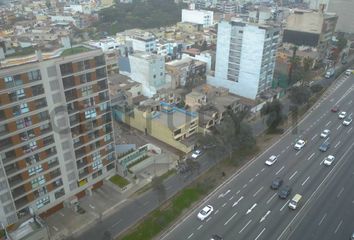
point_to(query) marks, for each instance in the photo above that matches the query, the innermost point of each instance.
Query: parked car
(272, 159)
(325, 133)
(205, 212)
(284, 192)
(197, 153)
(299, 144)
(324, 146)
(216, 237)
(329, 160)
(277, 182)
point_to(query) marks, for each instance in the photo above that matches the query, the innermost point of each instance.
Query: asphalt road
(246, 208)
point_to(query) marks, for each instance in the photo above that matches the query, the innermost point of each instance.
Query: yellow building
(165, 122)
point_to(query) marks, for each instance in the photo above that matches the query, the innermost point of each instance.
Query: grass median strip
(159, 219)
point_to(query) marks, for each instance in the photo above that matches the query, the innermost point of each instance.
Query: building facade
(140, 40)
(245, 58)
(56, 140)
(203, 17)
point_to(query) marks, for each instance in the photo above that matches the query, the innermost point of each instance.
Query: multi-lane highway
(246, 208)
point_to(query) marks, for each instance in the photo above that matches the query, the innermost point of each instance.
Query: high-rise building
(203, 17)
(56, 141)
(245, 57)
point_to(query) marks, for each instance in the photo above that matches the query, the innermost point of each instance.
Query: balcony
(17, 192)
(9, 156)
(11, 169)
(5, 143)
(53, 163)
(55, 173)
(83, 173)
(21, 202)
(79, 153)
(81, 163)
(13, 181)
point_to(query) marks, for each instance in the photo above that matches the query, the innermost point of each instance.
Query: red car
(335, 109)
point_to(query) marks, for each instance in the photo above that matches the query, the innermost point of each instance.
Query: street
(251, 210)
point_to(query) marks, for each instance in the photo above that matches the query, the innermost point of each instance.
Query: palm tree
(294, 63)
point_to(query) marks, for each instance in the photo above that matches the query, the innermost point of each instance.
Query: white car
(347, 121)
(196, 153)
(325, 133)
(328, 160)
(272, 159)
(299, 144)
(342, 115)
(205, 212)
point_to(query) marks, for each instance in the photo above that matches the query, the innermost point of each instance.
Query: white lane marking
(224, 204)
(305, 181)
(251, 180)
(349, 130)
(238, 192)
(216, 211)
(324, 216)
(314, 137)
(340, 223)
(270, 199)
(262, 169)
(292, 175)
(283, 151)
(313, 154)
(200, 227)
(116, 224)
(61, 214)
(91, 206)
(208, 219)
(260, 189)
(339, 127)
(328, 123)
(287, 202)
(235, 203)
(260, 234)
(287, 147)
(279, 170)
(230, 218)
(337, 145)
(341, 191)
(56, 229)
(265, 216)
(231, 198)
(245, 226)
(191, 235)
(298, 152)
(250, 210)
(224, 194)
(244, 186)
(257, 174)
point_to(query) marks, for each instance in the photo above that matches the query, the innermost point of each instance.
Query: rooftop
(75, 50)
(175, 118)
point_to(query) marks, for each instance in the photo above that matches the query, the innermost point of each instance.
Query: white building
(106, 44)
(139, 40)
(206, 18)
(245, 58)
(147, 69)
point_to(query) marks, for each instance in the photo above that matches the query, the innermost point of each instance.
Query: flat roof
(174, 119)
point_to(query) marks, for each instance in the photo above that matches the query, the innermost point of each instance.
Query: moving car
(196, 153)
(272, 159)
(328, 160)
(284, 192)
(276, 183)
(325, 133)
(324, 146)
(205, 212)
(299, 144)
(216, 237)
(342, 115)
(347, 121)
(335, 108)
(294, 203)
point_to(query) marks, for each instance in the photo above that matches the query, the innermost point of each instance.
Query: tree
(159, 187)
(307, 66)
(342, 43)
(316, 88)
(299, 95)
(294, 63)
(273, 110)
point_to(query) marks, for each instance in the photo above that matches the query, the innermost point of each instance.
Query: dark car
(324, 146)
(335, 109)
(216, 237)
(276, 183)
(284, 192)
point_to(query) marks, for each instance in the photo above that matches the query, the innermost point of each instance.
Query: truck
(330, 72)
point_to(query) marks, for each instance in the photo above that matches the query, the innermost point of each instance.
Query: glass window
(34, 75)
(24, 108)
(97, 164)
(20, 94)
(9, 81)
(86, 90)
(107, 138)
(42, 202)
(91, 113)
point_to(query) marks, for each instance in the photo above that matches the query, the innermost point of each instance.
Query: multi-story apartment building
(203, 17)
(140, 40)
(56, 138)
(245, 57)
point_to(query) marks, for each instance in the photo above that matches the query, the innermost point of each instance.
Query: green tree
(307, 66)
(274, 113)
(342, 43)
(294, 62)
(299, 95)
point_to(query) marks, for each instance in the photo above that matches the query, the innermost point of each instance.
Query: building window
(42, 202)
(97, 164)
(91, 113)
(35, 170)
(66, 68)
(107, 138)
(86, 90)
(38, 182)
(37, 90)
(34, 75)
(9, 81)
(24, 108)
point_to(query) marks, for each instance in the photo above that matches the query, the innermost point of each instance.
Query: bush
(119, 180)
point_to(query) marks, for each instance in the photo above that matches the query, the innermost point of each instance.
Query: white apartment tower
(203, 17)
(245, 58)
